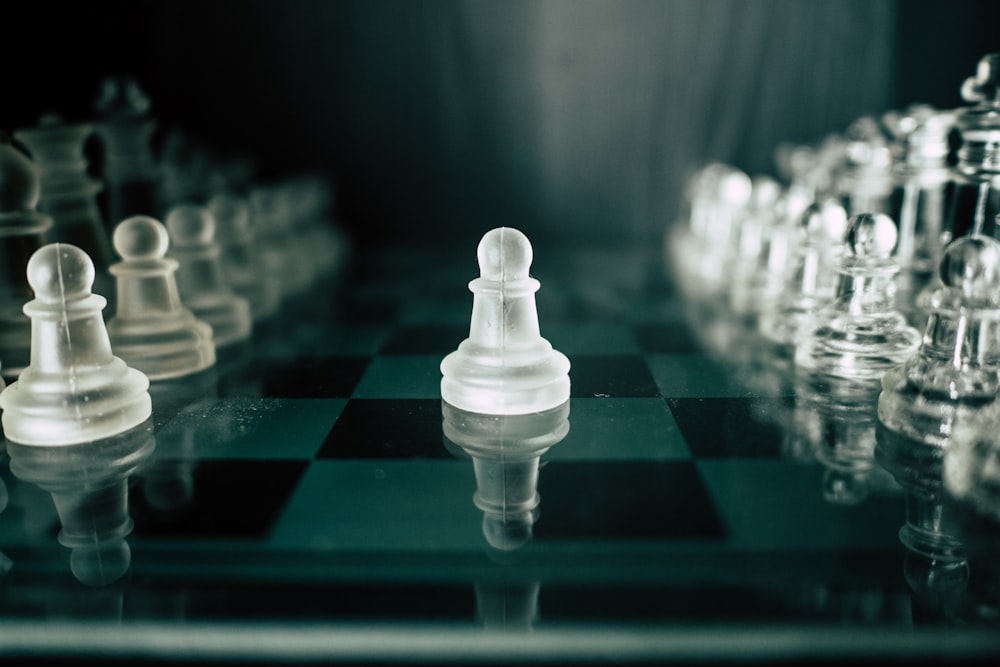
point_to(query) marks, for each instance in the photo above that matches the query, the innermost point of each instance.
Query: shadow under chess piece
(152, 330)
(22, 232)
(505, 366)
(89, 486)
(505, 452)
(75, 389)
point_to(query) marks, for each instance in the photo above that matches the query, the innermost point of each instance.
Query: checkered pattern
(324, 446)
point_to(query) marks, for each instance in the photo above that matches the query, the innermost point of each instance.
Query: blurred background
(444, 118)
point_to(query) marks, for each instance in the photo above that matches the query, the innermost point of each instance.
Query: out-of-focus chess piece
(242, 263)
(68, 193)
(151, 329)
(697, 251)
(811, 278)
(125, 128)
(200, 279)
(505, 452)
(23, 232)
(89, 485)
(865, 182)
(920, 179)
(752, 239)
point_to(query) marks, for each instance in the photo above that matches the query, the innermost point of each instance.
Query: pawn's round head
(140, 237)
(231, 213)
(60, 271)
(871, 235)
(972, 264)
(504, 254)
(190, 225)
(826, 220)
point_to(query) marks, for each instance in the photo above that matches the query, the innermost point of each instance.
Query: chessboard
(304, 504)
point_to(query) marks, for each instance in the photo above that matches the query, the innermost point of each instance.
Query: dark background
(577, 117)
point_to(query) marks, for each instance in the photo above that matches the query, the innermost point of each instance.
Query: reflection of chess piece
(505, 450)
(507, 605)
(951, 383)
(89, 487)
(837, 426)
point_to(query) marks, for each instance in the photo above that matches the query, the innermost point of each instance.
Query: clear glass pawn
(859, 335)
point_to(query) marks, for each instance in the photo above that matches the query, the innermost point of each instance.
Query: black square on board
(232, 499)
(624, 500)
(387, 429)
(614, 376)
(323, 377)
(732, 427)
(665, 338)
(425, 339)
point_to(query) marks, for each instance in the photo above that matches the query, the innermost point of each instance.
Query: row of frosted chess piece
(87, 379)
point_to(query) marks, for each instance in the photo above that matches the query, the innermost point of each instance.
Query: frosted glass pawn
(75, 389)
(152, 330)
(860, 335)
(242, 263)
(200, 280)
(505, 366)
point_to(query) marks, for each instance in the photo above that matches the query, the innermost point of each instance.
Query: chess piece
(68, 193)
(152, 330)
(22, 232)
(974, 197)
(505, 366)
(125, 128)
(200, 280)
(948, 386)
(920, 176)
(865, 182)
(89, 487)
(811, 276)
(859, 335)
(698, 251)
(75, 389)
(505, 451)
(240, 257)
